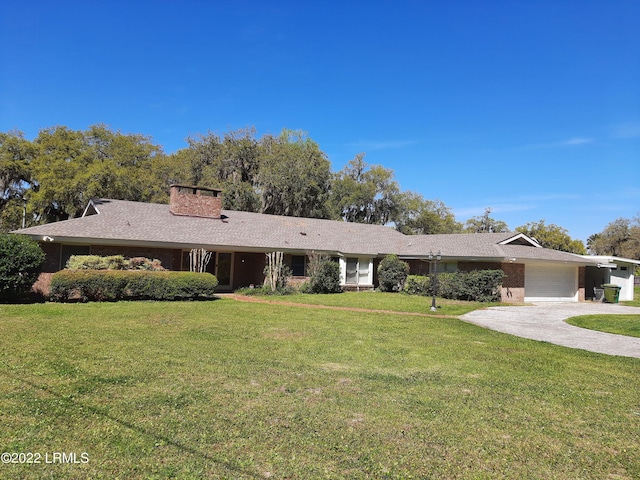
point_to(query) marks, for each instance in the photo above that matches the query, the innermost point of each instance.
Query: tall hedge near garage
(114, 285)
(476, 285)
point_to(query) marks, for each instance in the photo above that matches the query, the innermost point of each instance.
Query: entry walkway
(545, 322)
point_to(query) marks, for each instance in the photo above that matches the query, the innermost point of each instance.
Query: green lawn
(227, 389)
(395, 302)
(636, 298)
(621, 324)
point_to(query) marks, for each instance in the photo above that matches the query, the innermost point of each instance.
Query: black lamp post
(433, 274)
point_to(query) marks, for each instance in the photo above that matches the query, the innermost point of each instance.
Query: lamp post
(433, 273)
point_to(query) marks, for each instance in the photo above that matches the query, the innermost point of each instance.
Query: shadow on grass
(167, 440)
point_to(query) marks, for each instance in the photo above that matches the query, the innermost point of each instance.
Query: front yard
(227, 389)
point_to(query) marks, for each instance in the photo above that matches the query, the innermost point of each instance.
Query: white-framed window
(357, 270)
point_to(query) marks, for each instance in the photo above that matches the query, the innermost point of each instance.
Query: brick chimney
(195, 201)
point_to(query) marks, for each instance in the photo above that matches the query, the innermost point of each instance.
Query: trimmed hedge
(476, 285)
(113, 285)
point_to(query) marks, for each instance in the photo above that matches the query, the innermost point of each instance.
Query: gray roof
(134, 223)
(131, 223)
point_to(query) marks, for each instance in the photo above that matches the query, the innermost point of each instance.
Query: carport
(615, 270)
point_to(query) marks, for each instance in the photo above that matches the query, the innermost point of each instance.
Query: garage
(550, 283)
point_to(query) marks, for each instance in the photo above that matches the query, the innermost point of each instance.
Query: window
(69, 250)
(357, 271)
(298, 264)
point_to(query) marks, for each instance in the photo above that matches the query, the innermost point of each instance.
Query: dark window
(68, 250)
(298, 264)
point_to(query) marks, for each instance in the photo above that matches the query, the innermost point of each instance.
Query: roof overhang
(607, 261)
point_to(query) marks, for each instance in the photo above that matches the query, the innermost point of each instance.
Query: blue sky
(531, 108)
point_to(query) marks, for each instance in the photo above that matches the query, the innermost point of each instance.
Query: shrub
(392, 273)
(143, 263)
(265, 290)
(476, 285)
(20, 262)
(417, 285)
(325, 278)
(113, 285)
(113, 262)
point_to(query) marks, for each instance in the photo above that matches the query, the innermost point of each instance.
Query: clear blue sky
(531, 108)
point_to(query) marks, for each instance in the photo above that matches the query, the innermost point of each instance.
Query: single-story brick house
(239, 240)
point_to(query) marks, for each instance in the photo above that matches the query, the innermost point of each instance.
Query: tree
(229, 162)
(552, 236)
(20, 262)
(294, 176)
(71, 166)
(16, 154)
(417, 216)
(119, 164)
(276, 272)
(59, 171)
(620, 238)
(485, 224)
(364, 193)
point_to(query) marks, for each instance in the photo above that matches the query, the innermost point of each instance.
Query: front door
(220, 264)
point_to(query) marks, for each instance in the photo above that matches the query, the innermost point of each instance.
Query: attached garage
(550, 283)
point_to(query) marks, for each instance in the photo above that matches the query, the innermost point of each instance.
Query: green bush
(392, 273)
(20, 262)
(476, 285)
(417, 285)
(113, 262)
(113, 285)
(325, 278)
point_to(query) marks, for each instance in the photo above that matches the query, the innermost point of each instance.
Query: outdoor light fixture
(433, 274)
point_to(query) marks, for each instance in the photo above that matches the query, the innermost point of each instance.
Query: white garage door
(550, 283)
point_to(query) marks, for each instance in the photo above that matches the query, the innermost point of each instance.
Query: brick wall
(195, 201)
(513, 283)
(52, 256)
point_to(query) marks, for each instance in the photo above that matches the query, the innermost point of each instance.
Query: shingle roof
(136, 223)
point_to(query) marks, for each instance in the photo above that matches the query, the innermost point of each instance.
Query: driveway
(545, 322)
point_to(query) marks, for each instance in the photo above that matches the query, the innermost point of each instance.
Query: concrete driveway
(545, 322)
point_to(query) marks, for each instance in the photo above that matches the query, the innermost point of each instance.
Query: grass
(636, 298)
(385, 301)
(621, 324)
(227, 389)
